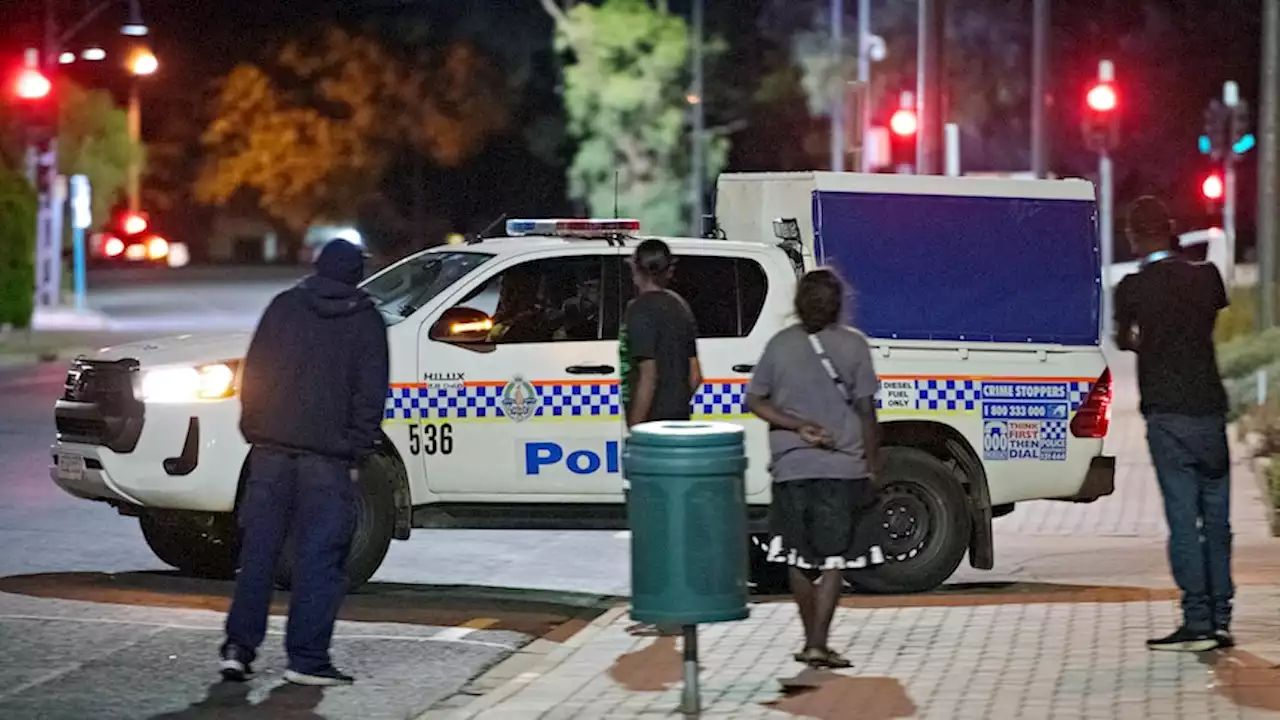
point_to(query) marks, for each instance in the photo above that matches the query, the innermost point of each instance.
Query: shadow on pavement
(532, 612)
(231, 701)
(1247, 680)
(826, 695)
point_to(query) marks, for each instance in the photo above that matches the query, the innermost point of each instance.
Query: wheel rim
(906, 512)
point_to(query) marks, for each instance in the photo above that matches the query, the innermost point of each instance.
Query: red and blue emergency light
(573, 227)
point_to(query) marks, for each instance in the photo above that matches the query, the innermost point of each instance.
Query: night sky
(1205, 43)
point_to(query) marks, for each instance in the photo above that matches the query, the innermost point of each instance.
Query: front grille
(98, 406)
(108, 383)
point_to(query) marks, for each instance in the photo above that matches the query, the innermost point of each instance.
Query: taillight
(1093, 417)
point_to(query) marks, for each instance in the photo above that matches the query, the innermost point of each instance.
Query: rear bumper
(1099, 481)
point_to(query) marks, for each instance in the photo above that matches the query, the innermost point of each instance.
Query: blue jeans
(1193, 466)
(312, 499)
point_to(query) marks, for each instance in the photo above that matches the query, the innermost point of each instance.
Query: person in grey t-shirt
(815, 385)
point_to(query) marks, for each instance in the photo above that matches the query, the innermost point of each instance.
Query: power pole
(1039, 88)
(929, 80)
(696, 101)
(837, 88)
(1269, 160)
(864, 77)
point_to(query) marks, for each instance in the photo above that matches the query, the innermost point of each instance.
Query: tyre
(766, 578)
(375, 524)
(206, 546)
(925, 515)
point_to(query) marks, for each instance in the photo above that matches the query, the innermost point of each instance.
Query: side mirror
(462, 325)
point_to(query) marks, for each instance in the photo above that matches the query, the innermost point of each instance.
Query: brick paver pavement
(1068, 649)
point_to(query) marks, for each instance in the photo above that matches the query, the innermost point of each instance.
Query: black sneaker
(327, 676)
(1225, 640)
(1184, 640)
(236, 664)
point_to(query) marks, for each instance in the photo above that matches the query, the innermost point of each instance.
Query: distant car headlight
(188, 384)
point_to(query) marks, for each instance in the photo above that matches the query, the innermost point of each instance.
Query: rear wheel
(206, 546)
(924, 515)
(375, 524)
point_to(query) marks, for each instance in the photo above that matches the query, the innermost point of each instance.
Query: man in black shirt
(658, 354)
(1166, 313)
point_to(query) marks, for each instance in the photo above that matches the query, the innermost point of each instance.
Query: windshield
(404, 288)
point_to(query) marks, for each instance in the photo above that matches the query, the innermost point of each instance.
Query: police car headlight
(188, 384)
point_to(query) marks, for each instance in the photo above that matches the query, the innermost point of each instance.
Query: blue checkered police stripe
(568, 401)
(960, 395)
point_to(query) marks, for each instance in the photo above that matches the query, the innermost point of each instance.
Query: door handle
(744, 368)
(589, 369)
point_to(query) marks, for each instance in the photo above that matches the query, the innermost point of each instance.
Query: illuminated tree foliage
(625, 93)
(313, 134)
(93, 140)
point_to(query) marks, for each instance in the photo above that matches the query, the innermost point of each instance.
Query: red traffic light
(903, 123)
(32, 85)
(1212, 187)
(1102, 98)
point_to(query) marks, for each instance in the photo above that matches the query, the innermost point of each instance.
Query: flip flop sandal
(823, 658)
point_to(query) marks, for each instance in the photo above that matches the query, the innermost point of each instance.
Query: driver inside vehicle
(520, 315)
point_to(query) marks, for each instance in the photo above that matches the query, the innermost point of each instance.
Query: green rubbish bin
(687, 510)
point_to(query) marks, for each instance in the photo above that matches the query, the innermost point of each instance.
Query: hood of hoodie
(331, 298)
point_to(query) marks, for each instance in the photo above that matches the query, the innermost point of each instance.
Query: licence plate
(71, 467)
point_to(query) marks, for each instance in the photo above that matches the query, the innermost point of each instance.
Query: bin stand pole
(690, 702)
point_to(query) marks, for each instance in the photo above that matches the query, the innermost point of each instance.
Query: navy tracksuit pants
(312, 499)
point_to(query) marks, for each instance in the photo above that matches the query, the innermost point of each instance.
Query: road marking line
(453, 634)
(624, 535)
(448, 635)
(55, 674)
(480, 623)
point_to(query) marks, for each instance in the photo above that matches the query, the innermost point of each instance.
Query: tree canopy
(93, 140)
(625, 95)
(312, 133)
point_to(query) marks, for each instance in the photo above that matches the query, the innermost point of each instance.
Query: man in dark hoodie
(312, 395)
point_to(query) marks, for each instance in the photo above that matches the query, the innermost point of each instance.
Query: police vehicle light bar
(570, 228)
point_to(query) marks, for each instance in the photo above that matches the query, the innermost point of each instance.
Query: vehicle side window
(726, 294)
(549, 300)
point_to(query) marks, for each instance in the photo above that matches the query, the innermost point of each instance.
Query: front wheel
(925, 524)
(375, 525)
(206, 546)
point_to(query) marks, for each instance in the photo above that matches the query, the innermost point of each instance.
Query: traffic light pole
(1106, 237)
(1229, 219)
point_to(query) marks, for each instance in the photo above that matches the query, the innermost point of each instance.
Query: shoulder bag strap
(830, 367)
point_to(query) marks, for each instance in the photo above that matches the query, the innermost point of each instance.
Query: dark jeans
(312, 499)
(1193, 467)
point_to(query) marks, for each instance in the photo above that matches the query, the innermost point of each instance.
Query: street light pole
(1039, 88)
(696, 101)
(1269, 160)
(836, 89)
(135, 134)
(864, 77)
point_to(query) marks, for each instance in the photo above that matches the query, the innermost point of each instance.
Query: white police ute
(981, 297)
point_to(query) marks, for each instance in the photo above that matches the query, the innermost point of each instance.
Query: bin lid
(686, 433)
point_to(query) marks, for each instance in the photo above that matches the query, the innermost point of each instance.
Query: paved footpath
(1058, 632)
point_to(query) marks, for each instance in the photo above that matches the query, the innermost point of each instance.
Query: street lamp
(143, 62)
